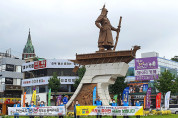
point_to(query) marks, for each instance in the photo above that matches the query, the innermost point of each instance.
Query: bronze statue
(105, 40)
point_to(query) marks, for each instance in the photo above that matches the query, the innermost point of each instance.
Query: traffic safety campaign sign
(35, 111)
(110, 110)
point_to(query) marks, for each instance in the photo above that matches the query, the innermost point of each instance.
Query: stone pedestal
(99, 75)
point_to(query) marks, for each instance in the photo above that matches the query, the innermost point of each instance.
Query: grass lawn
(150, 116)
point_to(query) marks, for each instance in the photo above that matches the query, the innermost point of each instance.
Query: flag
(59, 100)
(49, 97)
(115, 98)
(148, 99)
(125, 94)
(34, 97)
(94, 96)
(24, 97)
(167, 98)
(158, 101)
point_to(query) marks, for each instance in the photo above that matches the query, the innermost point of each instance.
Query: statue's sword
(117, 36)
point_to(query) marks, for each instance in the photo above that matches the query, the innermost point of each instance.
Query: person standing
(61, 104)
(114, 104)
(75, 110)
(137, 104)
(31, 105)
(125, 103)
(98, 102)
(42, 105)
(16, 115)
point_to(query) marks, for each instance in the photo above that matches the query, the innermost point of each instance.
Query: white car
(173, 108)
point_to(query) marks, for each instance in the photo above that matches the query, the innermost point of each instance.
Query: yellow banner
(34, 97)
(109, 110)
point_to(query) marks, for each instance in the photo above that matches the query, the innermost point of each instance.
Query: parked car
(173, 108)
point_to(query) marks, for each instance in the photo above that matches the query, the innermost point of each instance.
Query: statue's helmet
(104, 10)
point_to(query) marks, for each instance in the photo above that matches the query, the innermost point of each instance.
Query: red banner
(158, 101)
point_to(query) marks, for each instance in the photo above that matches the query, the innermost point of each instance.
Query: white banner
(36, 111)
(167, 98)
(35, 81)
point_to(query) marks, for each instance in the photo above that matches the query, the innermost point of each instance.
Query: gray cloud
(62, 28)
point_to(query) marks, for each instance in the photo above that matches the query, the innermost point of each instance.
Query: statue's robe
(105, 37)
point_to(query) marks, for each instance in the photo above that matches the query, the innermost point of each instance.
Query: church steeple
(28, 50)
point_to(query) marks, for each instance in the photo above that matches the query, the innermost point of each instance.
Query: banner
(94, 96)
(158, 101)
(125, 94)
(49, 97)
(148, 99)
(115, 98)
(35, 111)
(167, 98)
(59, 100)
(109, 110)
(24, 97)
(34, 97)
(146, 69)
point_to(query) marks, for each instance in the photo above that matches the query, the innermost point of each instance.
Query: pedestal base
(100, 76)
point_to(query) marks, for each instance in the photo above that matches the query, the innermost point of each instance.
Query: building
(38, 73)
(139, 80)
(28, 50)
(10, 81)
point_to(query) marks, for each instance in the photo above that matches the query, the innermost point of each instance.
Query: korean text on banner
(35, 111)
(148, 99)
(146, 68)
(158, 101)
(125, 94)
(109, 110)
(34, 97)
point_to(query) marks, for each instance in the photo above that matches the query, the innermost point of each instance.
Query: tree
(166, 82)
(54, 84)
(81, 71)
(175, 58)
(118, 87)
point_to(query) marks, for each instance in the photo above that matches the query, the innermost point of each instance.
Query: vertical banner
(167, 98)
(49, 97)
(94, 96)
(145, 87)
(24, 97)
(59, 100)
(144, 102)
(158, 101)
(125, 94)
(34, 97)
(148, 98)
(115, 98)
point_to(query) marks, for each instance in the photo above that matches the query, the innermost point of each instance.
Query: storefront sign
(138, 96)
(146, 69)
(49, 63)
(110, 110)
(9, 67)
(8, 80)
(9, 100)
(35, 81)
(12, 87)
(36, 111)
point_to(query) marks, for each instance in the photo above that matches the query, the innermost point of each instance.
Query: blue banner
(125, 94)
(94, 96)
(145, 87)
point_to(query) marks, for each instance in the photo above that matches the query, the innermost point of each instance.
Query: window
(18, 69)
(130, 72)
(9, 67)
(65, 80)
(42, 89)
(73, 80)
(69, 80)
(62, 80)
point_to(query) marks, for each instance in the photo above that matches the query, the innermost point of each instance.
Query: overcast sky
(62, 28)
